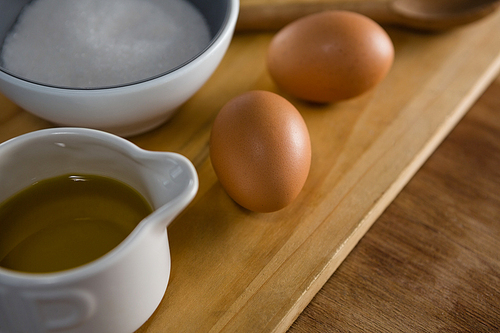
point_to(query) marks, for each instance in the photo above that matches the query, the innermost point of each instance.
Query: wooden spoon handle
(273, 16)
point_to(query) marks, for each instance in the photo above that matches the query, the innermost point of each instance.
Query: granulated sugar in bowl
(123, 66)
(98, 43)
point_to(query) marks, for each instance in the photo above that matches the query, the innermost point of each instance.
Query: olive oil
(67, 221)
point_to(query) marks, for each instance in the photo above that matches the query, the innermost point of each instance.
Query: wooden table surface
(431, 262)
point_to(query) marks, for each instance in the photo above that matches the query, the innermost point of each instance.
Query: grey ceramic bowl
(126, 109)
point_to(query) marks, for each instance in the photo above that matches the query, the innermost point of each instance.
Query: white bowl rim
(231, 14)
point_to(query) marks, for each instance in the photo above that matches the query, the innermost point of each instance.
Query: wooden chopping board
(238, 271)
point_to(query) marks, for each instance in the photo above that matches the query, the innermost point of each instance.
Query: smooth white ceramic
(124, 110)
(119, 291)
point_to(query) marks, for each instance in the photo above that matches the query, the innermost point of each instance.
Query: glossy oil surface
(67, 221)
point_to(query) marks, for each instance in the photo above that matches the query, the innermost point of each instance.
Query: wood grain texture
(431, 263)
(238, 271)
(262, 15)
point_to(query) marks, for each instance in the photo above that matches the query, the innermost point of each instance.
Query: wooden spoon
(431, 15)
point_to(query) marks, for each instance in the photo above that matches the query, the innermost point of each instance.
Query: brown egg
(260, 150)
(330, 56)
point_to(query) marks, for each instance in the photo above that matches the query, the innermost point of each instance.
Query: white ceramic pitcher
(119, 291)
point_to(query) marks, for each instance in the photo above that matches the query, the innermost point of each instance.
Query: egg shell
(260, 150)
(330, 56)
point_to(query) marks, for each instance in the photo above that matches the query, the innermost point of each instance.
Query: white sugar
(97, 43)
